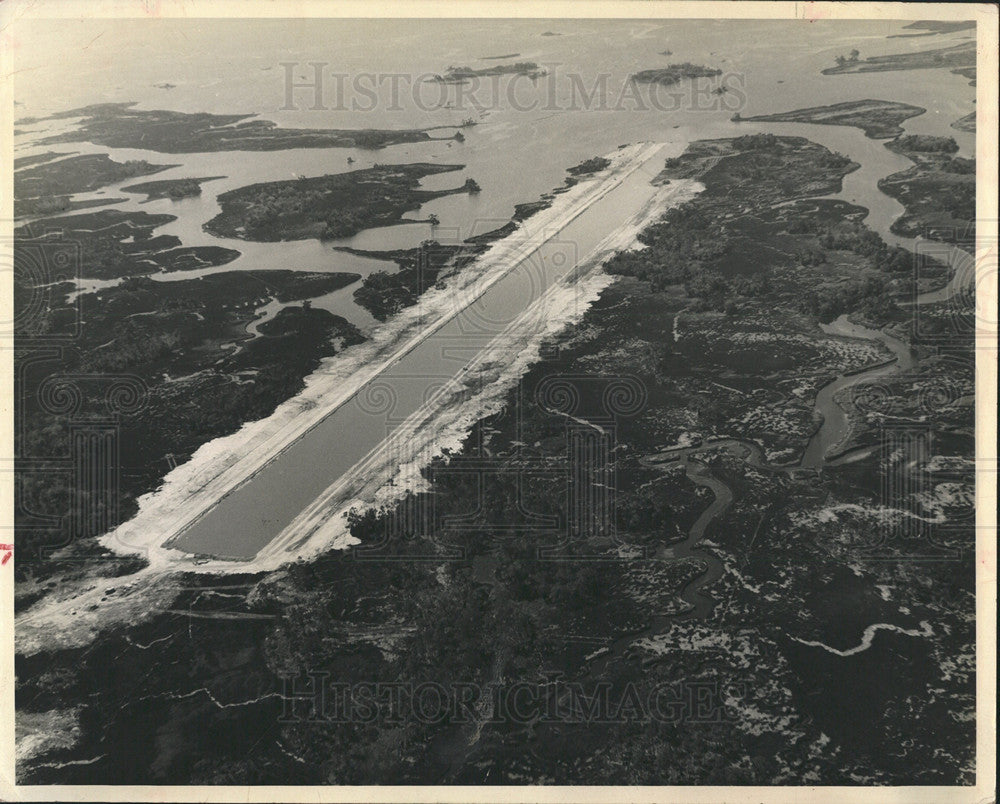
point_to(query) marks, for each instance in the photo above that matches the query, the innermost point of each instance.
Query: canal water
(253, 514)
(526, 135)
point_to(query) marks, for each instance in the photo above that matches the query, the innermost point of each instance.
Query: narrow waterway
(252, 515)
(836, 426)
(823, 449)
(516, 153)
(826, 445)
(520, 147)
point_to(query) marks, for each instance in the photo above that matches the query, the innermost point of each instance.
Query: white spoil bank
(225, 463)
(80, 609)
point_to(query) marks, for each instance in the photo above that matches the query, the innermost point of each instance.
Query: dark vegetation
(329, 207)
(75, 174)
(732, 244)
(461, 594)
(57, 204)
(119, 125)
(170, 188)
(674, 73)
(851, 58)
(753, 255)
(384, 294)
(26, 161)
(939, 191)
(878, 118)
(923, 144)
(185, 344)
(111, 244)
(589, 166)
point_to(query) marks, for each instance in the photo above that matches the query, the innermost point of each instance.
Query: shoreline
(205, 486)
(323, 520)
(59, 628)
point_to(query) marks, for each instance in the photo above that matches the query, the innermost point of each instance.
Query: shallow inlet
(253, 514)
(836, 426)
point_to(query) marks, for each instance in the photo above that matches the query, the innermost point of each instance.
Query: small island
(934, 28)
(592, 165)
(119, 125)
(460, 75)
(173, 189)
(328, 207)
(966, 123)
(674, 73)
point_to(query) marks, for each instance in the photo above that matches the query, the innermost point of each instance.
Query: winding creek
(825, 446)
(821, 451)
(516, 156)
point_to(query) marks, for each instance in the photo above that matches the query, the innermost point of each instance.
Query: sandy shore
(79, 610)
(224, 464)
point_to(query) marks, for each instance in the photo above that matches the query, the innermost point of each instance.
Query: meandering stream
(519, 150)
(825, 448)
(821, 451)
